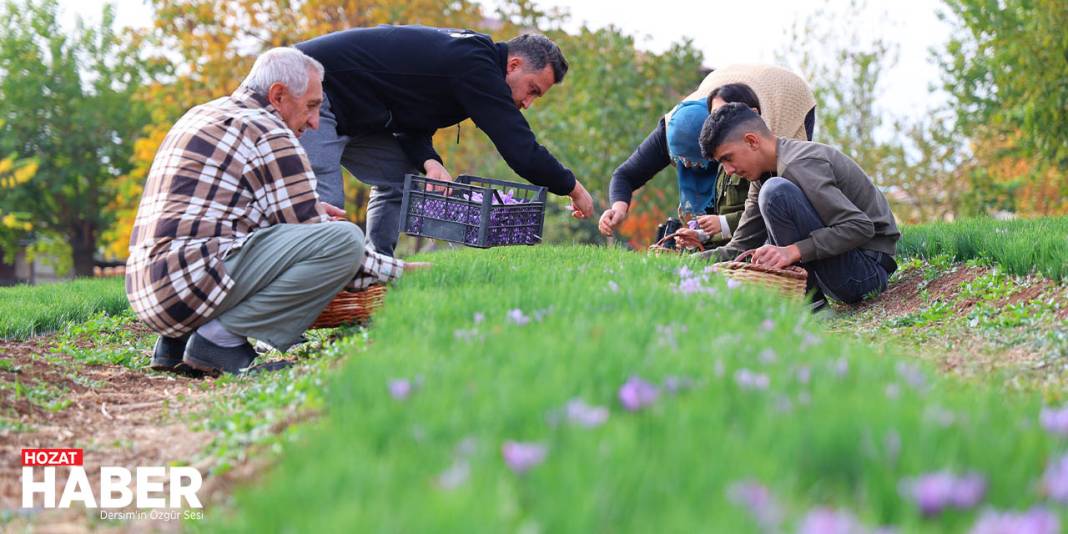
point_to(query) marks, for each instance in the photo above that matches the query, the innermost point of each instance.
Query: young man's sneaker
(167, 356)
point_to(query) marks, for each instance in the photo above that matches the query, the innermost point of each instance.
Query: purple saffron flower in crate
(1033, 521)
(580, 413)
(935, 492)
(1055, 480)
(636, 394)
(521, 457)
(1055, 420)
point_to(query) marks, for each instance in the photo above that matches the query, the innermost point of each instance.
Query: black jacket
(412, 80)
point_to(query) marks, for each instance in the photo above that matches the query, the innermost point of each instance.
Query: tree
(68, 102)
(1006, 71)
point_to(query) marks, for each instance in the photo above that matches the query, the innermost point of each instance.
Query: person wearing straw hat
(231, 240)
(779, 95)
(813, 205)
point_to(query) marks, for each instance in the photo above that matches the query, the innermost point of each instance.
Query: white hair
(285, 65)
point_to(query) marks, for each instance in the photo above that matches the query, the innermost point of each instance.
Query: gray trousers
(375, 159)
(285, 275)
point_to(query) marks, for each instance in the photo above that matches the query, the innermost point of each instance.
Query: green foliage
(67, 100)
(33, 310)
(105, 339)
(1022, 246)
(1004, 68)
(840, 424)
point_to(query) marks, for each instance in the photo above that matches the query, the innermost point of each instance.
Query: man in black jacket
(388, 89)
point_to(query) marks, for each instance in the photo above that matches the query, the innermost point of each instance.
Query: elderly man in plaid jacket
(231, 240)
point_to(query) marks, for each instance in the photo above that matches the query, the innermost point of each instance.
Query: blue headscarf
(697, 184)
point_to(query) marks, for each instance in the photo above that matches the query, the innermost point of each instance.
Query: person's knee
(775, 192)
(344, 238)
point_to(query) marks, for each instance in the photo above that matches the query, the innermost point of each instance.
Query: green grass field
(32, 310)
(1023, 246)
(751, 391)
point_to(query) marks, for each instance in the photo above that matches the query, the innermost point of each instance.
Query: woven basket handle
(748, 255)
(700, 247)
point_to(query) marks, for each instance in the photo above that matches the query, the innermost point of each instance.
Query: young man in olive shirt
(812, 204)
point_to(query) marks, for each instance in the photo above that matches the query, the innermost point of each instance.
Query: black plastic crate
(478, 212)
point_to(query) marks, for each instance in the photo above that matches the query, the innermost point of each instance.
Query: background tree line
(83, 112)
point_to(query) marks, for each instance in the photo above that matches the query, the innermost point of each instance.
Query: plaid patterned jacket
(225, 169)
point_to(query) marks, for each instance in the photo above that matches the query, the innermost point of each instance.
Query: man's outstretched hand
(581, 201)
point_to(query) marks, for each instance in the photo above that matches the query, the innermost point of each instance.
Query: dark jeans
(790, 217)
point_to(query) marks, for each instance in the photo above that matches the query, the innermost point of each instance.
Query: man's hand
(416, 266)
(335, 213)
(612, 217)
(687, 238)
(777, 257)
(710, 224)
(581, 201)
(434, 169)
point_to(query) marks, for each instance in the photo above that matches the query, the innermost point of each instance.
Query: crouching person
(812, 205)
(231, 240)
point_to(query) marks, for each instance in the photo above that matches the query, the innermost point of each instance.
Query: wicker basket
(351, 307)
(790, 281)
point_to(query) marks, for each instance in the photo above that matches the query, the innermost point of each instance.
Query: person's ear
(514, 62)
(753, 140)
(275, 94)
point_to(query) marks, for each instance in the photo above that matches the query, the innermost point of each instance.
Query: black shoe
(203, 355)
(817, 302)
(167, 356)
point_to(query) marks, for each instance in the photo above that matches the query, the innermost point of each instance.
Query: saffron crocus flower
(675, 384)
(768, 325)
(613, 287)
(732, 283)
(1055, 480)
(400, 388)
(580, 413)
(636, 394)
(768, 356)
(517, 317)
(1054, 420)
(830, 521)
(455, 475)
(521, 457)
(747, 379)
(935, 492)
(1033, 521)
(758, 501)
(479, 317)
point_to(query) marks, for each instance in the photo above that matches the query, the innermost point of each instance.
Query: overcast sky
(726, 32)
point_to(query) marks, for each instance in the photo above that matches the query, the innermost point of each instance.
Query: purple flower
(804, 374)
(747, 379)
(841, 367)
(517, 317)
(400, 388)
(768, 325)
(1055, 480)
(935, 492)
(732, 283)
(912, 375)
(1033, 521)
(830, 521)
(893, 391)
(1055, 421)
(521, 457)
(675, 384)
(758, 501)
(613, 287)
(455, 475)
(583, 414)
(479, 317)
(636, 394)
(768, 356)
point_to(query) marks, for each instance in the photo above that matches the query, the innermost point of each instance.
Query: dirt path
(119, 416)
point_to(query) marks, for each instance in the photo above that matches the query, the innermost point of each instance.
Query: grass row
(1022, 247)
(493, 347)
(31, 310)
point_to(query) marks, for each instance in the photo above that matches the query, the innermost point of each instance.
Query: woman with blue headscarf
(782, 98)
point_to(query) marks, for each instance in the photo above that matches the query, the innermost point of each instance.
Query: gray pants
(285, 275)
(375, 159)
